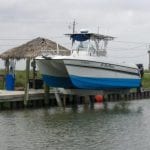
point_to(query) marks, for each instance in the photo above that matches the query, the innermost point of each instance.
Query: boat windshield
(85, 46)
(82, 46)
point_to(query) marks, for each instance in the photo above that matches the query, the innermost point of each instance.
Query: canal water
(119, 126)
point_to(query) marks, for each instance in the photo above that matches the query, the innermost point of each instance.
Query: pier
(63, 98)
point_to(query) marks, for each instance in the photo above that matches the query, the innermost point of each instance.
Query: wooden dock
(19, 95)
(15, 99)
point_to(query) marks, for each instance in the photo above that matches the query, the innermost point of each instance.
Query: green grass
(19, 78)
(146, 80)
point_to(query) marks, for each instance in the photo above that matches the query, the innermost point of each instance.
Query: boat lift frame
(85, 93)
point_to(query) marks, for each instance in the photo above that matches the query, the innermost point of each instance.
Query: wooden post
(6, 66)
(86, 99)
(46, 94)
(86, 102)
(64, 100)
(105, 102)
(70, 99)
(26, 96)
(74, 102)
(34, 72)
(91, 102)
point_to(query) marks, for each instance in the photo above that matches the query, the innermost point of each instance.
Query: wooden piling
(26, 96)
(92, 101)
(74, 101)
(105, 102)
(64, 100)
(46, 94)
(86, 99)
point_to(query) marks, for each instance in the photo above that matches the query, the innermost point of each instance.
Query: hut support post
(26, 97)
(6, 66)
(34, 72)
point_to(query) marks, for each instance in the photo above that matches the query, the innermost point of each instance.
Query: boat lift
(87, 94)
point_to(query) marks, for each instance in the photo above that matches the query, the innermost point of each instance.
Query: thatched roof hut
(29, 51)
(33, 49)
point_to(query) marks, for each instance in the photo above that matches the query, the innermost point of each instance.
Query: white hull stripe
(98, 67)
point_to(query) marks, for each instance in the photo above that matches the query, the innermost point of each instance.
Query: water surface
(119, 127)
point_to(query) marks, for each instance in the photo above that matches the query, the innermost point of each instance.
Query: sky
(127, 20)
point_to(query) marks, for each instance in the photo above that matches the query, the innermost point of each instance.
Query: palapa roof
(33, 49)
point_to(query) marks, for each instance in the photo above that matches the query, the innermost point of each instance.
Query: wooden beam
(26, 92)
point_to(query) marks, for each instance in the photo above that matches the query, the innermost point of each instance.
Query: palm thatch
(33, 49)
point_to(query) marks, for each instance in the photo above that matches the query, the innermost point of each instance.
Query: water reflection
(119, 126)
(115, 107)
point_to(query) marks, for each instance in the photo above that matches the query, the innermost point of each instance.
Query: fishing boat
(88, 67)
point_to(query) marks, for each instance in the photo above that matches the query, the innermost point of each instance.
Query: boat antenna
(73, 26)
(73, 29)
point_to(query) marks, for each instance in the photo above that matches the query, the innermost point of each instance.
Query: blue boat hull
(76, 82)
(104, 83)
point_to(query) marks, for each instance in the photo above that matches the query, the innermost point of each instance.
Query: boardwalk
(60, 97)
(19, 95)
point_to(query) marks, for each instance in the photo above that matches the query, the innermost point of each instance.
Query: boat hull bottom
(104, 83)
